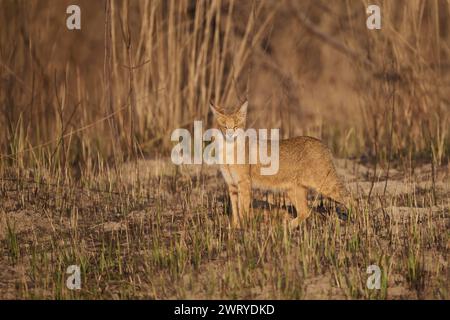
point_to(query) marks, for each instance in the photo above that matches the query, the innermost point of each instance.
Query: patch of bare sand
(24, 221)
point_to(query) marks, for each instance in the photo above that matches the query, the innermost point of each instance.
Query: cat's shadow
(265, 205)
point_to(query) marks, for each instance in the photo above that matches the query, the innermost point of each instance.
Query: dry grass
(80, 110)
(164, 233)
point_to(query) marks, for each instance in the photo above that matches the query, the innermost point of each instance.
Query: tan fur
(304, 162)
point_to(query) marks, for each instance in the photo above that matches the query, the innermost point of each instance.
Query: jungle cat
(304, 162)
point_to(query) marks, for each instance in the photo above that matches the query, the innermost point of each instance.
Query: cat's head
(229, 122)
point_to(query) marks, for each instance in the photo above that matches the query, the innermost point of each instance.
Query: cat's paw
(294, 223)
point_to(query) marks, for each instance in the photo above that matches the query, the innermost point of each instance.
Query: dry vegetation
(86, 117)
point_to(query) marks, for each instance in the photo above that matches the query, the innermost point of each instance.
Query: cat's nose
(230, 133)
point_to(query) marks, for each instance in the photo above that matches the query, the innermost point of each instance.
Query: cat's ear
(243, 109)
(217, 111)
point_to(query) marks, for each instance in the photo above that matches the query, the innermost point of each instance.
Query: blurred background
(137, 70)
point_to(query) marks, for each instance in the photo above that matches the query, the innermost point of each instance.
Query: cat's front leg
(245, 196)
(234, 199)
